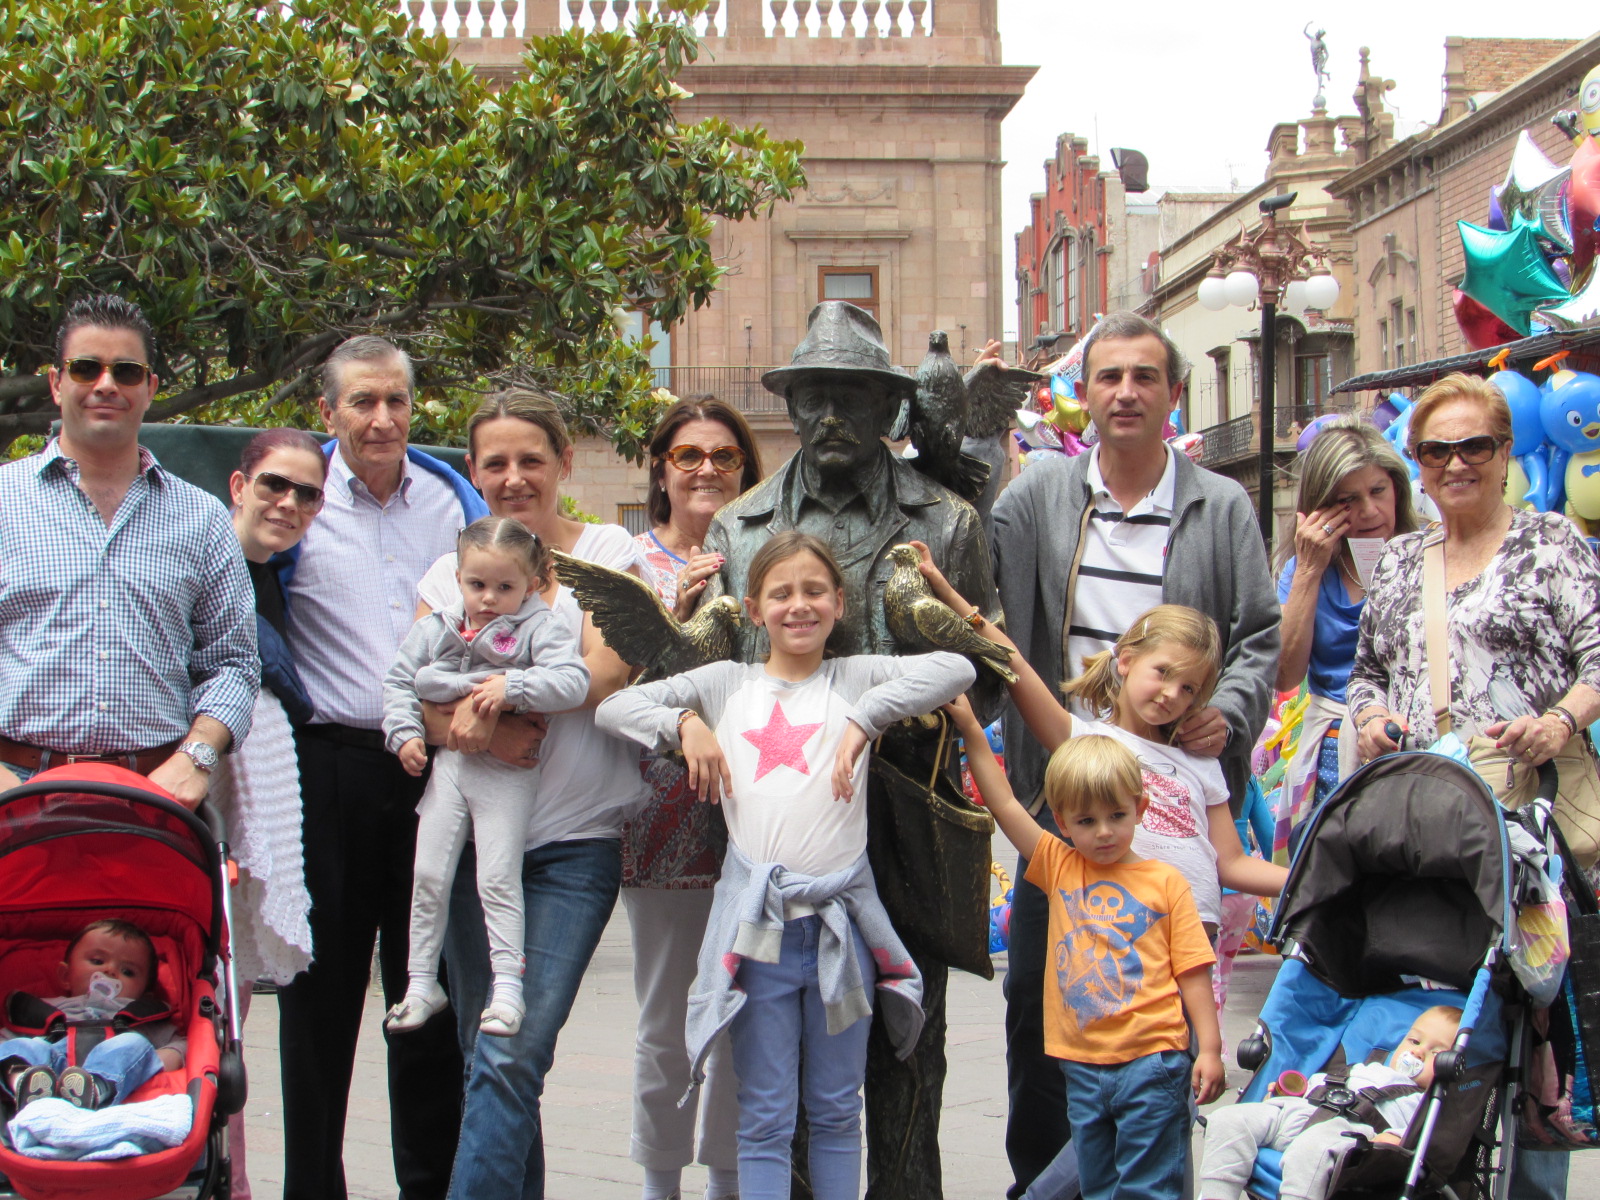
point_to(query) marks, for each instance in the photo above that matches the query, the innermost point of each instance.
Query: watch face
(201, 754)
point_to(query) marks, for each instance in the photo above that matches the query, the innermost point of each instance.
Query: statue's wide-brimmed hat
(841, 341)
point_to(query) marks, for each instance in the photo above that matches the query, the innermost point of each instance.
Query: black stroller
(1401, 896)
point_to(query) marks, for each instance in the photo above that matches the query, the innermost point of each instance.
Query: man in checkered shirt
(127, 619)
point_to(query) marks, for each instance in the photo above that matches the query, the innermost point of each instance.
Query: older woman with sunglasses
(276, 493)
(702, 455)
(1521, 607)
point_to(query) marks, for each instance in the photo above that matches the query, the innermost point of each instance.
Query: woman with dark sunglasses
(276, 493)
(1521, 608)
(702, 454)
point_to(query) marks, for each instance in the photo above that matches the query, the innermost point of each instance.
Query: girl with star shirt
(798, 946)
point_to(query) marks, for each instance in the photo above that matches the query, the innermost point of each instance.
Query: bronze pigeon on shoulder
(637, 625)
(939, 422)
(920, 622)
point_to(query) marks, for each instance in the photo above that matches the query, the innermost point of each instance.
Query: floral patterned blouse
(1520, 634)
(674, 841)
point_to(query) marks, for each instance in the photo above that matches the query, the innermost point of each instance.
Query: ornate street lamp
(1269, 265)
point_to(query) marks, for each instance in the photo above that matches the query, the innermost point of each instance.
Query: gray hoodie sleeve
(888, 689)
(648, 713)
(557, 680)
(402, 707)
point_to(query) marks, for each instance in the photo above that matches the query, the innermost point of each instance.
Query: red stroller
(80, 843)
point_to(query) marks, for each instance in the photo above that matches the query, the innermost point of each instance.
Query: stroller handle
(1549, 781)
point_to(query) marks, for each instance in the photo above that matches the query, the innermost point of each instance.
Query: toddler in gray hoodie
(499, 648)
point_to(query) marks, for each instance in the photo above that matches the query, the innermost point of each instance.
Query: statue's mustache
(831, 429)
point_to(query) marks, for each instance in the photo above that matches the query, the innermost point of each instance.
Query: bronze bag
(1513, 782)
(930, 852)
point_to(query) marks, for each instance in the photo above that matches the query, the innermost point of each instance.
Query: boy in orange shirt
(1130, 960)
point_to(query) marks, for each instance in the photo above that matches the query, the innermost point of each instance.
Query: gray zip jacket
(1216, 562)
(536, 653)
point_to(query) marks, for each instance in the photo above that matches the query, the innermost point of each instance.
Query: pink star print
(781, 744)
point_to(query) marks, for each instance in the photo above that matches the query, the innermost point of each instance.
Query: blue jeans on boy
(782, 1020)
(568, 892)
(125, 1062)
(1130, 1125)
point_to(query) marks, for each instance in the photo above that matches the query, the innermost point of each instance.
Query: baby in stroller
(1315, 1130)
(109, 966)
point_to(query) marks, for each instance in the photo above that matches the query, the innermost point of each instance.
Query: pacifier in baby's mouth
(104, 989)
(1408, 1064)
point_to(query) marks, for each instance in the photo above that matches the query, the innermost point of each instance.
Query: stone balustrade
(517, 19)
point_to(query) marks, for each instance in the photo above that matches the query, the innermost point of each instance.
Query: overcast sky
(1198, 85)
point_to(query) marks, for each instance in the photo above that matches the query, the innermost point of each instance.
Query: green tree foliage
(268, 180)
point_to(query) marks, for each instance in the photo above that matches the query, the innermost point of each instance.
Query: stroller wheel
(232, 1084)
(1252, 1052)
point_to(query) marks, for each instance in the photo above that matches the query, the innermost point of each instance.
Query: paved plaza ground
(587, 1109)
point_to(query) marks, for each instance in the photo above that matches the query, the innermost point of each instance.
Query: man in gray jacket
(1082, 546)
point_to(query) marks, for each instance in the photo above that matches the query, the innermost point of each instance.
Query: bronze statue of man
(928, 847)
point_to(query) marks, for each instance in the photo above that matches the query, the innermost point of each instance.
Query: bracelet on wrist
(974, 618)
(1377, 716)
(1566, 718)
(683, 718)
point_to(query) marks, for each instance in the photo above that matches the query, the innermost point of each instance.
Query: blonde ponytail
(1099, 684)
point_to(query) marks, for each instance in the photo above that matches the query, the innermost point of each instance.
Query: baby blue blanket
(52, 1128)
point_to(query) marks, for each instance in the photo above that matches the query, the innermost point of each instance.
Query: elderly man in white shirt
(352, 594)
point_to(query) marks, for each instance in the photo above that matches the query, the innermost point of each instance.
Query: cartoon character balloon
(1529, 453)
(1570, 411)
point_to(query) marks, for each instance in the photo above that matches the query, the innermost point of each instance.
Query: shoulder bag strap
(1434, 623)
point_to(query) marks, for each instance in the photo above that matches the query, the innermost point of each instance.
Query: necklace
(1352, 581)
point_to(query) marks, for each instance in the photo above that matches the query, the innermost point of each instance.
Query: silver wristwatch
(202, 754)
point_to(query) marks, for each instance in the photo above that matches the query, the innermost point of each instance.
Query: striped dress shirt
(115, 637)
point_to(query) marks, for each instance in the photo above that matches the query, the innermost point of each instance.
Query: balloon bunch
(1059, 422)
(1532, 267)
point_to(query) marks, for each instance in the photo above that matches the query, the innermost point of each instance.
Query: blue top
(1333, 637)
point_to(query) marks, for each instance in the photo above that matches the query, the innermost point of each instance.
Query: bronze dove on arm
(920, 622)
(637, 625)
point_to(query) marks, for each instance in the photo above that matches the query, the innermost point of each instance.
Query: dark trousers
(359, 834)
(903, 1100)
(1036, 1116)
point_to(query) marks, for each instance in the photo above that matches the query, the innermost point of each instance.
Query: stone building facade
(899, 104)
(1223, 347)
(1404, 202)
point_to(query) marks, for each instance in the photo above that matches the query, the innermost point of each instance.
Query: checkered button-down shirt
(114, 637)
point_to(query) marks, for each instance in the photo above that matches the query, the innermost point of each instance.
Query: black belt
(345, 735)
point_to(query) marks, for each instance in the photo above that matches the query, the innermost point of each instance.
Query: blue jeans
(1540, 1175)
(126, 1061)
(783, 1021)
(1130, 1124)
(568, 891)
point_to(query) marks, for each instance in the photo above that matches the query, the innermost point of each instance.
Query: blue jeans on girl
(781, 1021)
(126, 1061)
(1130, 1125)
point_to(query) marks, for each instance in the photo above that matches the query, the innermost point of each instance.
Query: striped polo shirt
(1124, 557)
